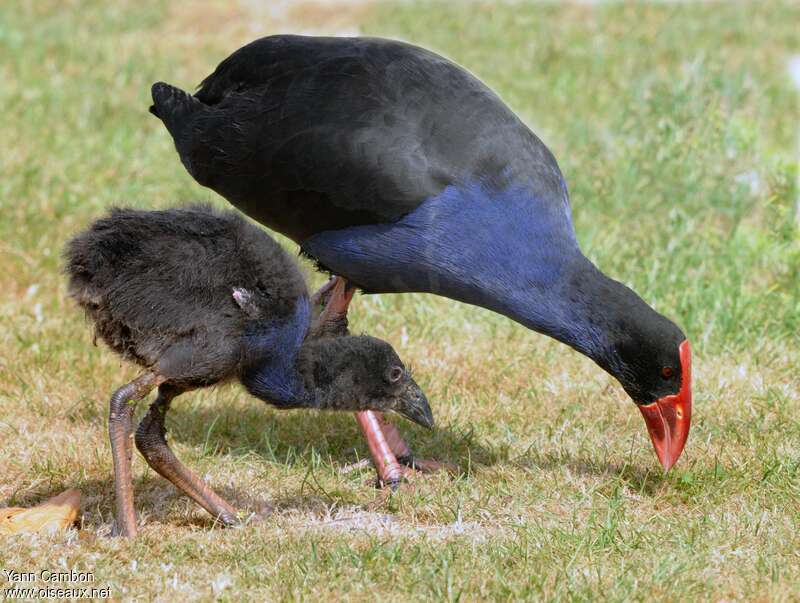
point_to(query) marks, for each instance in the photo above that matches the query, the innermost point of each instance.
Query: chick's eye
(667, 372)
(395, 373)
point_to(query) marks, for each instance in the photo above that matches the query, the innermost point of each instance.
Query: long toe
(428, 466)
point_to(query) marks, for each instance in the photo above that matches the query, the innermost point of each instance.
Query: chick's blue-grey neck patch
(271, 348)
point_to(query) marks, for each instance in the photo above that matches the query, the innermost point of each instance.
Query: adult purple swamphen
(399, 171)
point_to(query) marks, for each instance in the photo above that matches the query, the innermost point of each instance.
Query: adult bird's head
(652, 359)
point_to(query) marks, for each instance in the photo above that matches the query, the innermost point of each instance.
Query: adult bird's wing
(363, 129)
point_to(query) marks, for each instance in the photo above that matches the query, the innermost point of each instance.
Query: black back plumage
(346, 131)
(158, 286)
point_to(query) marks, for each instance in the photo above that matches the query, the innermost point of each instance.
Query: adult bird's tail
(174, 107)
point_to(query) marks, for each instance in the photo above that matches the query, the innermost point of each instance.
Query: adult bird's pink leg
(389, 471)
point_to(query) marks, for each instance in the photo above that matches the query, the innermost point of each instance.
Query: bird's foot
(409, 471)
(388, 490)
(413, 464)
(410, 482)
(391, 457)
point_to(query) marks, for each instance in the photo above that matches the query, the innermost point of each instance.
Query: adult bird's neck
(582, 308)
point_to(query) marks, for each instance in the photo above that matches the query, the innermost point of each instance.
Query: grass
(676, 128)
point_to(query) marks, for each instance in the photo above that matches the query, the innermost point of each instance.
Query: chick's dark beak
(414, 405)
(668, 418)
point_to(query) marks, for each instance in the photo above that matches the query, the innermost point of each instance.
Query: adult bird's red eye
(667, 372)
(395, 374)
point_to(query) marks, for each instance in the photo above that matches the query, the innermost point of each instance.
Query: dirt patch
(354, 520)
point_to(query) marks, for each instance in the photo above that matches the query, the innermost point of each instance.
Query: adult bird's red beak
(668, 418)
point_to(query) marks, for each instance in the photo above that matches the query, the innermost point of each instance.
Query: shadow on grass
(157, 501)
(290, 436)
(643, 480)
